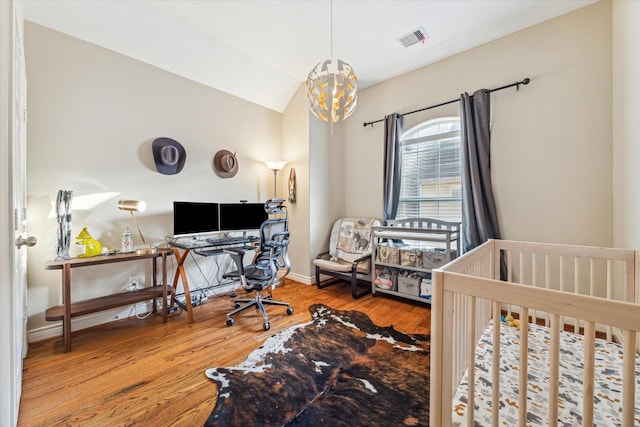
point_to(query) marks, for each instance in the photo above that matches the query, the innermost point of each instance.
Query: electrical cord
(200, 294)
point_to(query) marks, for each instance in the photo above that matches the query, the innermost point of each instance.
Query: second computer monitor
(241, 216)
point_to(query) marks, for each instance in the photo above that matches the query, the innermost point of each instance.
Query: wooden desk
(182, 274)
(68, 309)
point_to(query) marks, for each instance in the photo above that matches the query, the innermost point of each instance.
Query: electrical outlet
(134, 283)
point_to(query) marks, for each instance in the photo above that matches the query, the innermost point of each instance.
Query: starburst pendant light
(331, 87)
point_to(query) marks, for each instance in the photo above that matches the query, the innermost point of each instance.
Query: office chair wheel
(236, 305)
(289, 311)
(266, 326)
(230, 322)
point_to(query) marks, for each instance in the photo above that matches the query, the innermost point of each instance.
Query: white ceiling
(262, 50)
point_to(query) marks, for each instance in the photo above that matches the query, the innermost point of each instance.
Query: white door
(13, 221)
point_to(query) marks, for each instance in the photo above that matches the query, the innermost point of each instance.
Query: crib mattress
(607, 390)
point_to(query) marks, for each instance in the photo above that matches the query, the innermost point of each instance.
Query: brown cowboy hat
(168, 155)
(225, 164)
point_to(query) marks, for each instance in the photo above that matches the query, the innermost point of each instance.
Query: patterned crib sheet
(607, 390)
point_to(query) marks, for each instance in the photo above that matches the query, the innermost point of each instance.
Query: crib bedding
(607, 390)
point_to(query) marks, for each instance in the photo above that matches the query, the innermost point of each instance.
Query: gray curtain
(479, 217)
(392, 165)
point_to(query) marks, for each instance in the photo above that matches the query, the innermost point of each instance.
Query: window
(430, 183)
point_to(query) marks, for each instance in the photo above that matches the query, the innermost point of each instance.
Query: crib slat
(628, 378)
(554, 370)
(471, 364)
(562, 281)
(534, 282)
(609, 292)
(524, 364)
(446, 382)
(495, 366)
(588, 375)
(576, 281)
(508, 254)
(592, 276)
(547, 281)
(628, 282)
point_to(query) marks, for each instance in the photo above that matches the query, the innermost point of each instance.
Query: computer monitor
(241, 216)
(193, 218)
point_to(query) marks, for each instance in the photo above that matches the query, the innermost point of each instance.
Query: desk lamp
(137, 206)
(275, 166)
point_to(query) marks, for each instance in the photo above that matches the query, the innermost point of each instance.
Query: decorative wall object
(292, 185)
(168, 155)
(225, 164)
(63, 233)
(92, 247)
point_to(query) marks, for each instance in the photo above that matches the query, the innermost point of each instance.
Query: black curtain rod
(516, 84)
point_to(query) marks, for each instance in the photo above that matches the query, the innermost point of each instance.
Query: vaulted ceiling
(262, 50)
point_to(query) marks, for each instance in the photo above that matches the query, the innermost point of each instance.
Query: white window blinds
(430, 176)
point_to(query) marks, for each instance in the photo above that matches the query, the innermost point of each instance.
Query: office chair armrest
(231, 251)
(354, 263)
(237, 255)
(362, 259)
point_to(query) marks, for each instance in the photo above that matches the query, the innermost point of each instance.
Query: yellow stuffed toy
(91, 246)
(510, 321)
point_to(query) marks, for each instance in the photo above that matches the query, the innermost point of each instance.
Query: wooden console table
(69, 309)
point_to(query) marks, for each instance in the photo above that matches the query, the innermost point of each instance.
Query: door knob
(29, 241)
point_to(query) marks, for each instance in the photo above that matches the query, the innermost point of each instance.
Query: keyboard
(222, 241)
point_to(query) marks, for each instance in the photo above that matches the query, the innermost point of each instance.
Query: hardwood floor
(145, 372)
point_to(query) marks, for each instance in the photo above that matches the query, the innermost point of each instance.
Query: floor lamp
(275, 166)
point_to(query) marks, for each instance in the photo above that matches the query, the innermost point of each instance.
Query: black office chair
(270, 264)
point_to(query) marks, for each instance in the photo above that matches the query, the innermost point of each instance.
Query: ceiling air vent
(415, 36)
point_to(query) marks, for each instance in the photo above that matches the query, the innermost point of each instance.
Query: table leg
(66, 300)
(164, 286)
(154, 281)
(182, 273)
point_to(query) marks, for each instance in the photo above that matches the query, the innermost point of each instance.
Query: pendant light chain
(331, 28)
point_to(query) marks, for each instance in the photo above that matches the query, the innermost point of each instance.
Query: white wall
(626, 126)
(92, 117)
(551, 141)
(295, 149)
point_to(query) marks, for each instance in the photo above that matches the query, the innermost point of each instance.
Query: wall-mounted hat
(168, 155)
(225, 164)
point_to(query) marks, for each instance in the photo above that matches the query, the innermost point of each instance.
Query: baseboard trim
(307, 280)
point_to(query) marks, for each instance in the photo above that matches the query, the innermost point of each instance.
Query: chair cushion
(341, 266)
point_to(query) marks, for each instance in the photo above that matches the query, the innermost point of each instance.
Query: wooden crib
(582, 297)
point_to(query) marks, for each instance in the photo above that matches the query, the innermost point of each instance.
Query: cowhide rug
(340, 369)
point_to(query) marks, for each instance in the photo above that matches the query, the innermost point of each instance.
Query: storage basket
(411, 257)
(425, 288)
(387, 254)
(386, 279)
(409, 285)
(434, 259)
